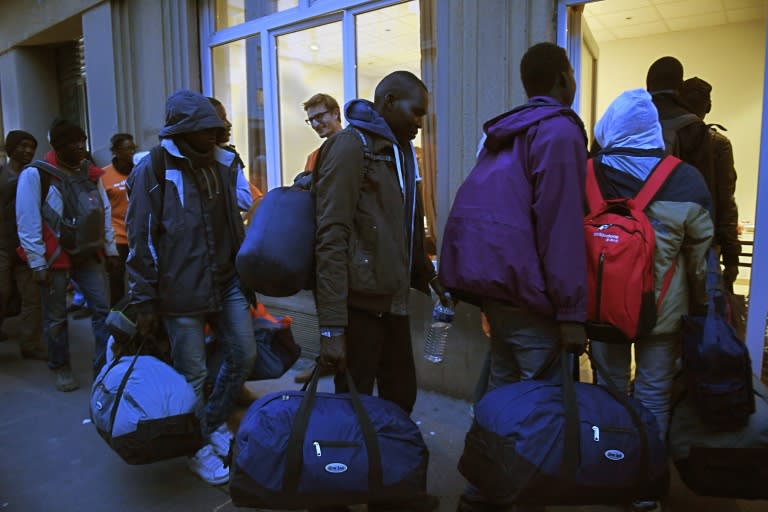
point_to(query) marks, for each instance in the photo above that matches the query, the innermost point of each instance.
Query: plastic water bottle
(437, 333)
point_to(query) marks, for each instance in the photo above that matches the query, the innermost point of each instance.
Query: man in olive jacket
(370, 241)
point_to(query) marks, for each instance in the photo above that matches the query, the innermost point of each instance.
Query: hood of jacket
(362, 115)
(186, 112)
(503, 128)
(630, 122)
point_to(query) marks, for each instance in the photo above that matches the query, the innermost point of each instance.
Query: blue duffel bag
(278, 254)
(301, 449)
(536, 442)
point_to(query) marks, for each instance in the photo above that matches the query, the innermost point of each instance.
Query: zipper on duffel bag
(333, 444)
(596, 431)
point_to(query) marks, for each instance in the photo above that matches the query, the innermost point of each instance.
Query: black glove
(333, 352)
(147, 323)
(573, 337)
(730, 272)
(442, 294)
(42, 277)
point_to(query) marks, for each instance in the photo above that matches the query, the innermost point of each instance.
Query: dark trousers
(117, 276)
(379, 352)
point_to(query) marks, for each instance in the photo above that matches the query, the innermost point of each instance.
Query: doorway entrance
(611, 44)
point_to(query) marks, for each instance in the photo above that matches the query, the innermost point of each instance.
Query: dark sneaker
(37, 353)
(65, 381)
(466, 505)
(646, 506)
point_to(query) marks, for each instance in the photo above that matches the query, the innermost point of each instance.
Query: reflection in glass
(308, 62)
(234, 12)
(237, 83)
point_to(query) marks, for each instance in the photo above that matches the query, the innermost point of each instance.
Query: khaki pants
(29, 323)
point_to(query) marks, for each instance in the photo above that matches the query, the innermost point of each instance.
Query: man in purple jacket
(514, 238)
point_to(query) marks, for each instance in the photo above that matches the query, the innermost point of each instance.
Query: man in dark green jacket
(370, 241)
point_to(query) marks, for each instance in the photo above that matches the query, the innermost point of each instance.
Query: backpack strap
(657, 178)
(50, 169)
(676, 123)
(595, 199)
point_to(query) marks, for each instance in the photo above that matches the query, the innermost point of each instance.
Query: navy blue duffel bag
(535, 442)
(300, 449)
(277, 257)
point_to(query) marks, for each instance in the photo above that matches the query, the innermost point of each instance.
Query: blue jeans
(656, 365)
(233, 327)
(91, 277)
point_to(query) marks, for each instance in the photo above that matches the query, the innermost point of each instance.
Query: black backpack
(81, 226)
(670, 128)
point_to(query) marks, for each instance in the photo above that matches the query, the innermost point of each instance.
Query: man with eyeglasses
(324, 116)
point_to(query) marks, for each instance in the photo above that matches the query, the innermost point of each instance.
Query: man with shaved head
(370, 242)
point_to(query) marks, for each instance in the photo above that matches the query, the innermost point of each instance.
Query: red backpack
(620, 260)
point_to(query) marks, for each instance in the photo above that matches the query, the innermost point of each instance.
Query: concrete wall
(30, 95)
(24, 19)
(137, 52)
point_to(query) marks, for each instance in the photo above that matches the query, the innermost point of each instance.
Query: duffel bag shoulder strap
(121, 388)
(294, 459)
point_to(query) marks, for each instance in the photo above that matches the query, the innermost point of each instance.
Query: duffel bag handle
(120, 389)
(294, 459)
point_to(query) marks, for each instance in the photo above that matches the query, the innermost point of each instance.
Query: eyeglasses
(316, 118)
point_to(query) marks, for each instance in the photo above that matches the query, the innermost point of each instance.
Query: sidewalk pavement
(53, 459)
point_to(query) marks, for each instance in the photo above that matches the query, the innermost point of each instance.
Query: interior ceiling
(624, 19)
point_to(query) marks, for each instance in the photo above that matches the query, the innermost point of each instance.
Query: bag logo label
(336, 467)
(614, 454)
(607, 237)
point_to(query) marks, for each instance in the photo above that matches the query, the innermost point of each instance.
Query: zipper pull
(317, 449)
(596, 431)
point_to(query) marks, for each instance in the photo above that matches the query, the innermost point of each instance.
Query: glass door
(238, 85)
(309, 61)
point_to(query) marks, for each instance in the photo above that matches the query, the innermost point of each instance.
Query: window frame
(308, 14)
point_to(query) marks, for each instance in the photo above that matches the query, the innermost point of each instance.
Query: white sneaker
(221, 440)
(209, 466)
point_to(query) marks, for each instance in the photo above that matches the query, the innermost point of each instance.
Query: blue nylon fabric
(263, 437)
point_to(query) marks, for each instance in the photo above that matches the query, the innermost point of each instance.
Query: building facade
(111, 64)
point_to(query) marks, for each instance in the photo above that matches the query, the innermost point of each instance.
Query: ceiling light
(314, 47)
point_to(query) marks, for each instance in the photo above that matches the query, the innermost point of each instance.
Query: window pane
(308, 62)
(237, 83)
(234, 12)
(391, 39)
(387, 40)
